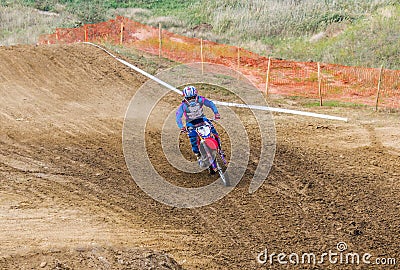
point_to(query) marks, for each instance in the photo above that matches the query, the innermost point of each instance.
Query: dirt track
(67, 197)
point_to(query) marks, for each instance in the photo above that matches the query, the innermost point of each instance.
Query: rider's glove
(217, 116)
(183, 130)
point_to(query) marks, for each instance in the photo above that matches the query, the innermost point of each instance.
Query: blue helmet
(189, 92)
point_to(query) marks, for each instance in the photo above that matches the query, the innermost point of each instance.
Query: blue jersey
(193, 110)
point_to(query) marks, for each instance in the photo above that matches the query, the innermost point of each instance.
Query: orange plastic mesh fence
(343, 83)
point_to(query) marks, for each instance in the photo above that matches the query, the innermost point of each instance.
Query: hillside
(68, 201)
(308, 30)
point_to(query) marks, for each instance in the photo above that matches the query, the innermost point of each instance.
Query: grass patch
(379, 43)
(303, 30)
(216, 92)
(333, 103)
(23, 24)
(149, 63)
(309, 30)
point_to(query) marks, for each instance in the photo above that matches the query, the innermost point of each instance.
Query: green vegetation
(367, 42)
(94, 11)
(349, 32)
(21, 24)
(333, 103)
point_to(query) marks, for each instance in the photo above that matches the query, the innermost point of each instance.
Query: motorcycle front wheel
(222, 171)
(216, 163)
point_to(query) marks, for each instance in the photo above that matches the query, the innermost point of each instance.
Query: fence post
(267, 79)
(121, 33)
(238, 58)
(201, 56)
(238, 62)
(159, 40)
(379, 88)
(319, 84)
(86, 33)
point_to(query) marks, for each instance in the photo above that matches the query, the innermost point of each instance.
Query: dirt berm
(67, 200)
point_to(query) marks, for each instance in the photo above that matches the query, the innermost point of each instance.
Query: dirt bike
(212, 155)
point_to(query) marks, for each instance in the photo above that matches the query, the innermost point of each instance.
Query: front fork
(222, 155)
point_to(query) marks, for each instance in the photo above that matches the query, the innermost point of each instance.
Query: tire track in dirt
(68, 159)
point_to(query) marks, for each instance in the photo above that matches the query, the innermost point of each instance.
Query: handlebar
(191, 128)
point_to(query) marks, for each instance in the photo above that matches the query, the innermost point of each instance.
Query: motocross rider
(192, 108)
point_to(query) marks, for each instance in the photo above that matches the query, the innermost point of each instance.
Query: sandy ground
(67, 200)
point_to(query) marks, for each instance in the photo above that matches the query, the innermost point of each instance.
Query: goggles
(191, 98)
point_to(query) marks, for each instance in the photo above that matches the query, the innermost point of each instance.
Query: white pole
(280, 110)
(238, 105)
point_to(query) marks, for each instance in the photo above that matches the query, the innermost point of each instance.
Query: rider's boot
(211, 170)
